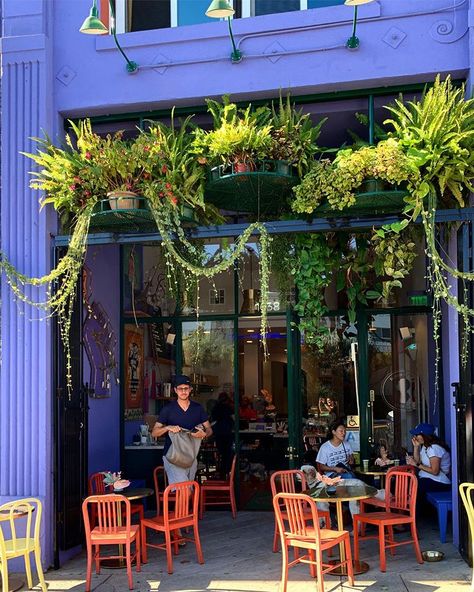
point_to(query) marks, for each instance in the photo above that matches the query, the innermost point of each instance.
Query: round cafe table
(131, 494)
(344, 493)
(14, 582)
(376, 472)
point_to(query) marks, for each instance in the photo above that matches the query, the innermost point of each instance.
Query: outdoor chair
(288, 482)
(217, 492)
(185, 500)
(291, 512)
(96, 486)
(378, 502)
(111, 529)
(400, 508)
(23, 518)
(160, 479)
(466, 490)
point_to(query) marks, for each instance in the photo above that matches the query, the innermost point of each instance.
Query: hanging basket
(107, 218)
(260, 188)
(373, 197)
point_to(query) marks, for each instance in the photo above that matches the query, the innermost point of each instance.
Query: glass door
(398, 379)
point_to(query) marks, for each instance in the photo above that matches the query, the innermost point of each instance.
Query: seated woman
(383, 458)
(432, 459)
(246, 410)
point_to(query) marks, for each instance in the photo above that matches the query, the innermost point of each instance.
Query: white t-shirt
(330, 455)
(439, 452)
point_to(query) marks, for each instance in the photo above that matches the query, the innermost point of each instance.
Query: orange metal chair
(216, 492)
(286, 482)
(96, 486)
(379, 503)
(400, 508)
(185, 499)
(291, 511)
(110, 531)
(23, 518)
(160, 479)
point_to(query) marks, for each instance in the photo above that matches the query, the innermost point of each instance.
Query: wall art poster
(134, 359)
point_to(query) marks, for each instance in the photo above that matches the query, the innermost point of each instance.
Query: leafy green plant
(238, 138)
(338, 181)
(294, 135)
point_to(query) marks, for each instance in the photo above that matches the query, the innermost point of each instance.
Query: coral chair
(96, 486)
(286, 482)
(184, 497)
(23, 518)
(291, 512)
(110, 530)
(466, 490)
(160, 479)
(380, 503)
(219, 492)
(400, 508)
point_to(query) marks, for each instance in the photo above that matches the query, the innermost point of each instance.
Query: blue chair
(442, 501)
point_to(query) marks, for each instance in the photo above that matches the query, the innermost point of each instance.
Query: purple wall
(50, 71)
(104, 414)
(304, 51)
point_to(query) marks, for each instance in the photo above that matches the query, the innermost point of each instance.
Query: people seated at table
(246, 410)
(432, 458)
(383, 457)
(335, 458)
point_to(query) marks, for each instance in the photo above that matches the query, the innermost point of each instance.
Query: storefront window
(328, 382)
(149, 356)
(398, 378)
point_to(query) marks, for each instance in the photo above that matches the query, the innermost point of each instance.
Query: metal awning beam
(276, 227)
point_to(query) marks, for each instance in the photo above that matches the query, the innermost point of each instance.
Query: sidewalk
(239, 558)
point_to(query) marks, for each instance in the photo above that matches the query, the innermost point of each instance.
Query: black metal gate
(464, 390)
(70, 440)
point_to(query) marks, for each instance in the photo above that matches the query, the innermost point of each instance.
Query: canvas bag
(183, 450)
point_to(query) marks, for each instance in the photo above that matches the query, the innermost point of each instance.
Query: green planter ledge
(374, 196)
(261, 188)
(106, 219)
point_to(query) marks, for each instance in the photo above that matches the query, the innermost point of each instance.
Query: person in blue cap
(179, 414)
(432, 459)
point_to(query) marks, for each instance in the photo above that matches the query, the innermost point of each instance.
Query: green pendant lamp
(222, 9)
(353, 41)
(94, 26)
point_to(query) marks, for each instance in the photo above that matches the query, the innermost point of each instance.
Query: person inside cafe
(246, 410)
(383, 457)
(179, 414)
(335, 458)
(432, 459)
(222, 417)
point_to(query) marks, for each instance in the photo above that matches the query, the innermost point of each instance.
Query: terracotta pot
(123, 200)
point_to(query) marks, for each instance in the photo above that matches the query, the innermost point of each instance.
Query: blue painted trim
(276, 227)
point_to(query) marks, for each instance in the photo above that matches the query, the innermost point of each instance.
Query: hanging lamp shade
(220, 9)
(357, 2)
(93, 25)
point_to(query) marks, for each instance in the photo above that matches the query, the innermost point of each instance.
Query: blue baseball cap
(426, 429)
(181, 379)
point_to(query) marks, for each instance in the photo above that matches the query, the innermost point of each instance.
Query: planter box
(373, 197)
(261, 188)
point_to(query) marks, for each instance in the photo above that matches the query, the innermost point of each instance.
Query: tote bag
(183, 450)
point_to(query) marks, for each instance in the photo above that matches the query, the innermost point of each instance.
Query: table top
(136, 493)
(343, 493)
(374, 471)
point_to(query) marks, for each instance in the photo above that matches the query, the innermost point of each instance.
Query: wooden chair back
(185, 499)
(111, 511)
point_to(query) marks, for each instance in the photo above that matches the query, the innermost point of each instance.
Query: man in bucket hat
(179, 414)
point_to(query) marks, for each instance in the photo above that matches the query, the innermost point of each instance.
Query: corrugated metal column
(25, 372)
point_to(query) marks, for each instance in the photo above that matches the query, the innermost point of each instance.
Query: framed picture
(134, 359)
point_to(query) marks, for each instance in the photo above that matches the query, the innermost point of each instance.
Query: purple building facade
(50, 72)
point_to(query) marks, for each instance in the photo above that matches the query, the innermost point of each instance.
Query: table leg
(359, 567)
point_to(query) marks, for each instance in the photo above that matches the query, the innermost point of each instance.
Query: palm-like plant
(437, 132)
